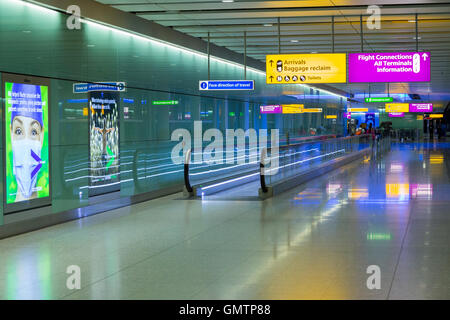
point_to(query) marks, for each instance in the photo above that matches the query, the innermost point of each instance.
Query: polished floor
(313, 242)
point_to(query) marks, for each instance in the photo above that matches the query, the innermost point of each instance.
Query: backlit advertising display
(26, 143)
(104, 141)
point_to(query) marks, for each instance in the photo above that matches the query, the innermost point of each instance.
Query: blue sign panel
(227, 85)
(102, 86)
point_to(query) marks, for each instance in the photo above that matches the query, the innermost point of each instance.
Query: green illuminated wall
(38, 43)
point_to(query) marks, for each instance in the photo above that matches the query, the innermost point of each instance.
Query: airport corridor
(313, 242)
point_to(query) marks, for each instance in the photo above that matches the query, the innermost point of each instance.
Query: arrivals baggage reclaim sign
(389, 67)
(362, 67)
(306, 68)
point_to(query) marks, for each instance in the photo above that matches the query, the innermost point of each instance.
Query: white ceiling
(309, 22)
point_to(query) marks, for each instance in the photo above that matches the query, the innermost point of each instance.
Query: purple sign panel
(270, 109)
(347, 115)
(420, 107)
(389, 67)
(396, 114)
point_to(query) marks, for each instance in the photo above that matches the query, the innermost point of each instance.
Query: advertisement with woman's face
(26, 129)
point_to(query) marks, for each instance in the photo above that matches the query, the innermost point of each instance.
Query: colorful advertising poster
(270, 109)
(389, 67)
(26, 142)
(306, 68)
(104, 141)
(370, 119)
(420, 107)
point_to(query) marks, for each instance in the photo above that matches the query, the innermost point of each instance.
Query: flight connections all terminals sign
(226, 85)
(306, 68)
(389, 67)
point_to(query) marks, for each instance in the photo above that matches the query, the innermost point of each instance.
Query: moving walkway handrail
(265, 150)
(187, 160)
(261, 173)
(263, 157)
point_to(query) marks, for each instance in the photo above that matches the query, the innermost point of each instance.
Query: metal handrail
(187, 160)
(262, 176)
(265, 150)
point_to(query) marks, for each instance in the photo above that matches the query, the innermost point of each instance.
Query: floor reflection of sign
(104, 141)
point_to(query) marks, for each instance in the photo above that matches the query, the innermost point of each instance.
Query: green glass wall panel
(1, 153)
(69, 147)
(37, 42)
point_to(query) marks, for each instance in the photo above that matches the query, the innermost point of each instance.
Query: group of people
(441, 129)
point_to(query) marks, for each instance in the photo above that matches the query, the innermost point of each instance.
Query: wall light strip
(165, 43)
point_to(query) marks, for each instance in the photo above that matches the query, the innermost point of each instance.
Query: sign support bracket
(332, 34)
(279, 36)
(361, 32)
(209, 57)
(417, 34)
(245, 55)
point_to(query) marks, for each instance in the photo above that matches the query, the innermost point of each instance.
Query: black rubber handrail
(187, 160)
(265, 150)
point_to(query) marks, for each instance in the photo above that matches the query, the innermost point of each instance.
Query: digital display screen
(26, 142)
(104, 140)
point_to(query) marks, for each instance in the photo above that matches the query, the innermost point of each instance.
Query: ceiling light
(268, 25)
(227, 1)
(294, 41)
(313, 51)
(411, 20)
(417, 38)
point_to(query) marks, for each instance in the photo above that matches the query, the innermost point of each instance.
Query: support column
(246, 115)
(224, 116)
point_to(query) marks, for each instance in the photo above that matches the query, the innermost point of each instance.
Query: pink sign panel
(396, 114)
(270, 109)
(389, 67)
(347, 115)
(420, 107)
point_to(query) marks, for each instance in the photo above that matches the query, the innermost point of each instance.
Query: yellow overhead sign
(420, 117)
(357, 109)
(292, 108)
(312, 110)
(331, 116)
(397, 107)
(306, 68)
